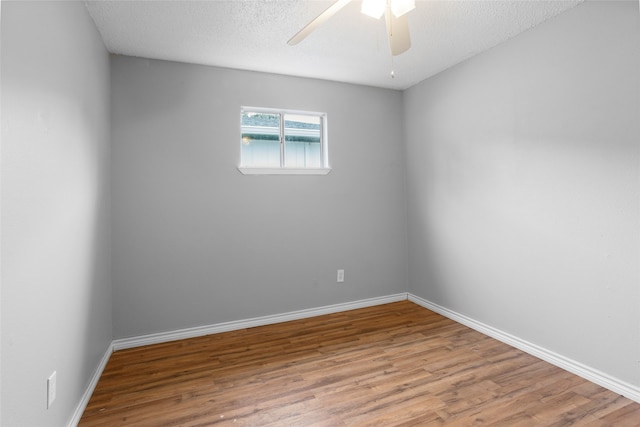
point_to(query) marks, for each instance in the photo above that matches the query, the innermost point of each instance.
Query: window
(283, 142)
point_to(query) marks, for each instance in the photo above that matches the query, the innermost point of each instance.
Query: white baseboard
(92, 386)
(621, 387)
(199, 331)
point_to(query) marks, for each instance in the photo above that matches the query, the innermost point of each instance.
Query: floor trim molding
(621, 387)
(198, 331)
(82, 405)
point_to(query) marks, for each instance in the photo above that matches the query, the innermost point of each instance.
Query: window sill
(283, 171)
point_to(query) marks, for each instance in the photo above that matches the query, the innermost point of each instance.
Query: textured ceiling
(350, 47)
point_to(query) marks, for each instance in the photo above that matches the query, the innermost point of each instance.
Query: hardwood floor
(392, 365)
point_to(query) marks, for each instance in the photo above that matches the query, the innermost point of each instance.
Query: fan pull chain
(393, 73)
(390, 22)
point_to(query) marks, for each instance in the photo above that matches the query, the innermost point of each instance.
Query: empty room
(320, 213)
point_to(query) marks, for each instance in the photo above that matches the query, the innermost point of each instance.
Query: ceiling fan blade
(398, 30)
(319, 20)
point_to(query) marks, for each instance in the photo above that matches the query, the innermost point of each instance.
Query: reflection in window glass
(260, 139)
(283, 139)
(302, 141)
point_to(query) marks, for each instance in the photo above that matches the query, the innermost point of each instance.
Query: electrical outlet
(51, 389)
(340, 276)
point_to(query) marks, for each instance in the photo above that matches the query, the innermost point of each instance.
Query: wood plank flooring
(391, 365)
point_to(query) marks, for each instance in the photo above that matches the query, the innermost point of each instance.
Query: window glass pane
(260, 139)
(302, 141)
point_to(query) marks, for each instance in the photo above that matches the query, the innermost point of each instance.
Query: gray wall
(195, 242)
(56, 296)
(523, 187)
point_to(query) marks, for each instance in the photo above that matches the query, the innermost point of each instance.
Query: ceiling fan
(395, 16)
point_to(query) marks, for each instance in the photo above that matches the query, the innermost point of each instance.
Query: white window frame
(324, 151)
